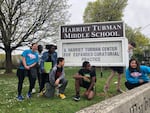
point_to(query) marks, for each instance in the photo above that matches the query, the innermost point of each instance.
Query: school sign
(102, 44)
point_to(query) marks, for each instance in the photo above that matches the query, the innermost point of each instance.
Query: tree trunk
(8, 62)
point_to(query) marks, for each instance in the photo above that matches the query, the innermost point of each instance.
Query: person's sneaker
(40, 94)
(20, 98)
(120, 91)
(62, 96)
(28, 95)
(33, 91)
(76, 98)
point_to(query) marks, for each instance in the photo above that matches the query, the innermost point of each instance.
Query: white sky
(136, 14)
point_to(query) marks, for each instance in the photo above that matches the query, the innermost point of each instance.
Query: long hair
(138, 65)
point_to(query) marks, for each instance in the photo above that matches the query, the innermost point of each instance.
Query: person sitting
(119, 70)
(85, 78)
(57, 80)
(136, 74)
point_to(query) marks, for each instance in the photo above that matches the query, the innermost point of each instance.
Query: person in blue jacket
(48, 56)
(136, 74)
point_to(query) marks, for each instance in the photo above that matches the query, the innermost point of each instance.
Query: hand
(27, 67)
(86, 78)
(141, 80)
(86, 93)
(57, 82)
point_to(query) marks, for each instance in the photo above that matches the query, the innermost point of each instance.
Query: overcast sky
(136, 14)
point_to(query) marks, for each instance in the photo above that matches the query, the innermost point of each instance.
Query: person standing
(85, 78)
(136, 74)
(27, 68)
(119, 70)
(40, 51)
(50, 57)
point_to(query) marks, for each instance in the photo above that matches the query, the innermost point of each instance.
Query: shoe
(40, 94)
(120, 91)
(20, 98)
(62, 96)
(28, 95)
(76, 98)
(33, 91)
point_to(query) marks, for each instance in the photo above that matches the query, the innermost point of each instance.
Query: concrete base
(136, 100)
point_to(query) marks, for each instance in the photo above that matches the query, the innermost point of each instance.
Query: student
(136, 74)
(131, 46)
(119, 71)
(40, 52)
(27, 68)
(57, 80)
(85, 78)
(48, 56)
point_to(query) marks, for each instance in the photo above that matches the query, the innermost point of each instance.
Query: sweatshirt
(134, 76)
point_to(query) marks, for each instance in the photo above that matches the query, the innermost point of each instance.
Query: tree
(104, 10)
(26, 21)
(135, 35)
(112, 10)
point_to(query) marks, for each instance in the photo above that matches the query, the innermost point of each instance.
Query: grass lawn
(9, 103)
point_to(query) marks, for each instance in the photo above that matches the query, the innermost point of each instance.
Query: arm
(62, 76)
(77, 76)
(24, 63)
(146, 69)
(32, 65)
(52, 76)
(92, 83)
(43, 59)
(55, 58)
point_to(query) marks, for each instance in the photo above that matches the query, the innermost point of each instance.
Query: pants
(50, 88)
(21, 74)
(44, 79)
(131, 86)
(38, 77)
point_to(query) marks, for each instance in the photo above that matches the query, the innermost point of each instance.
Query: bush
(15, 61)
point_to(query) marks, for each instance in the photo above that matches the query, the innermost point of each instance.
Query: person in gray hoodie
(57, 80)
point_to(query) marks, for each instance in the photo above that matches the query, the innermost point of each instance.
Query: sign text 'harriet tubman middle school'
(97, 30)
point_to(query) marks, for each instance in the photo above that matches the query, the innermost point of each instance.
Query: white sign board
(99, 52)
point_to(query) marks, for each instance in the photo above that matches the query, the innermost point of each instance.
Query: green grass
(9, 104)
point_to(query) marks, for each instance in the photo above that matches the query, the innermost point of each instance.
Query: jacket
(134, 77)
(45, 57)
